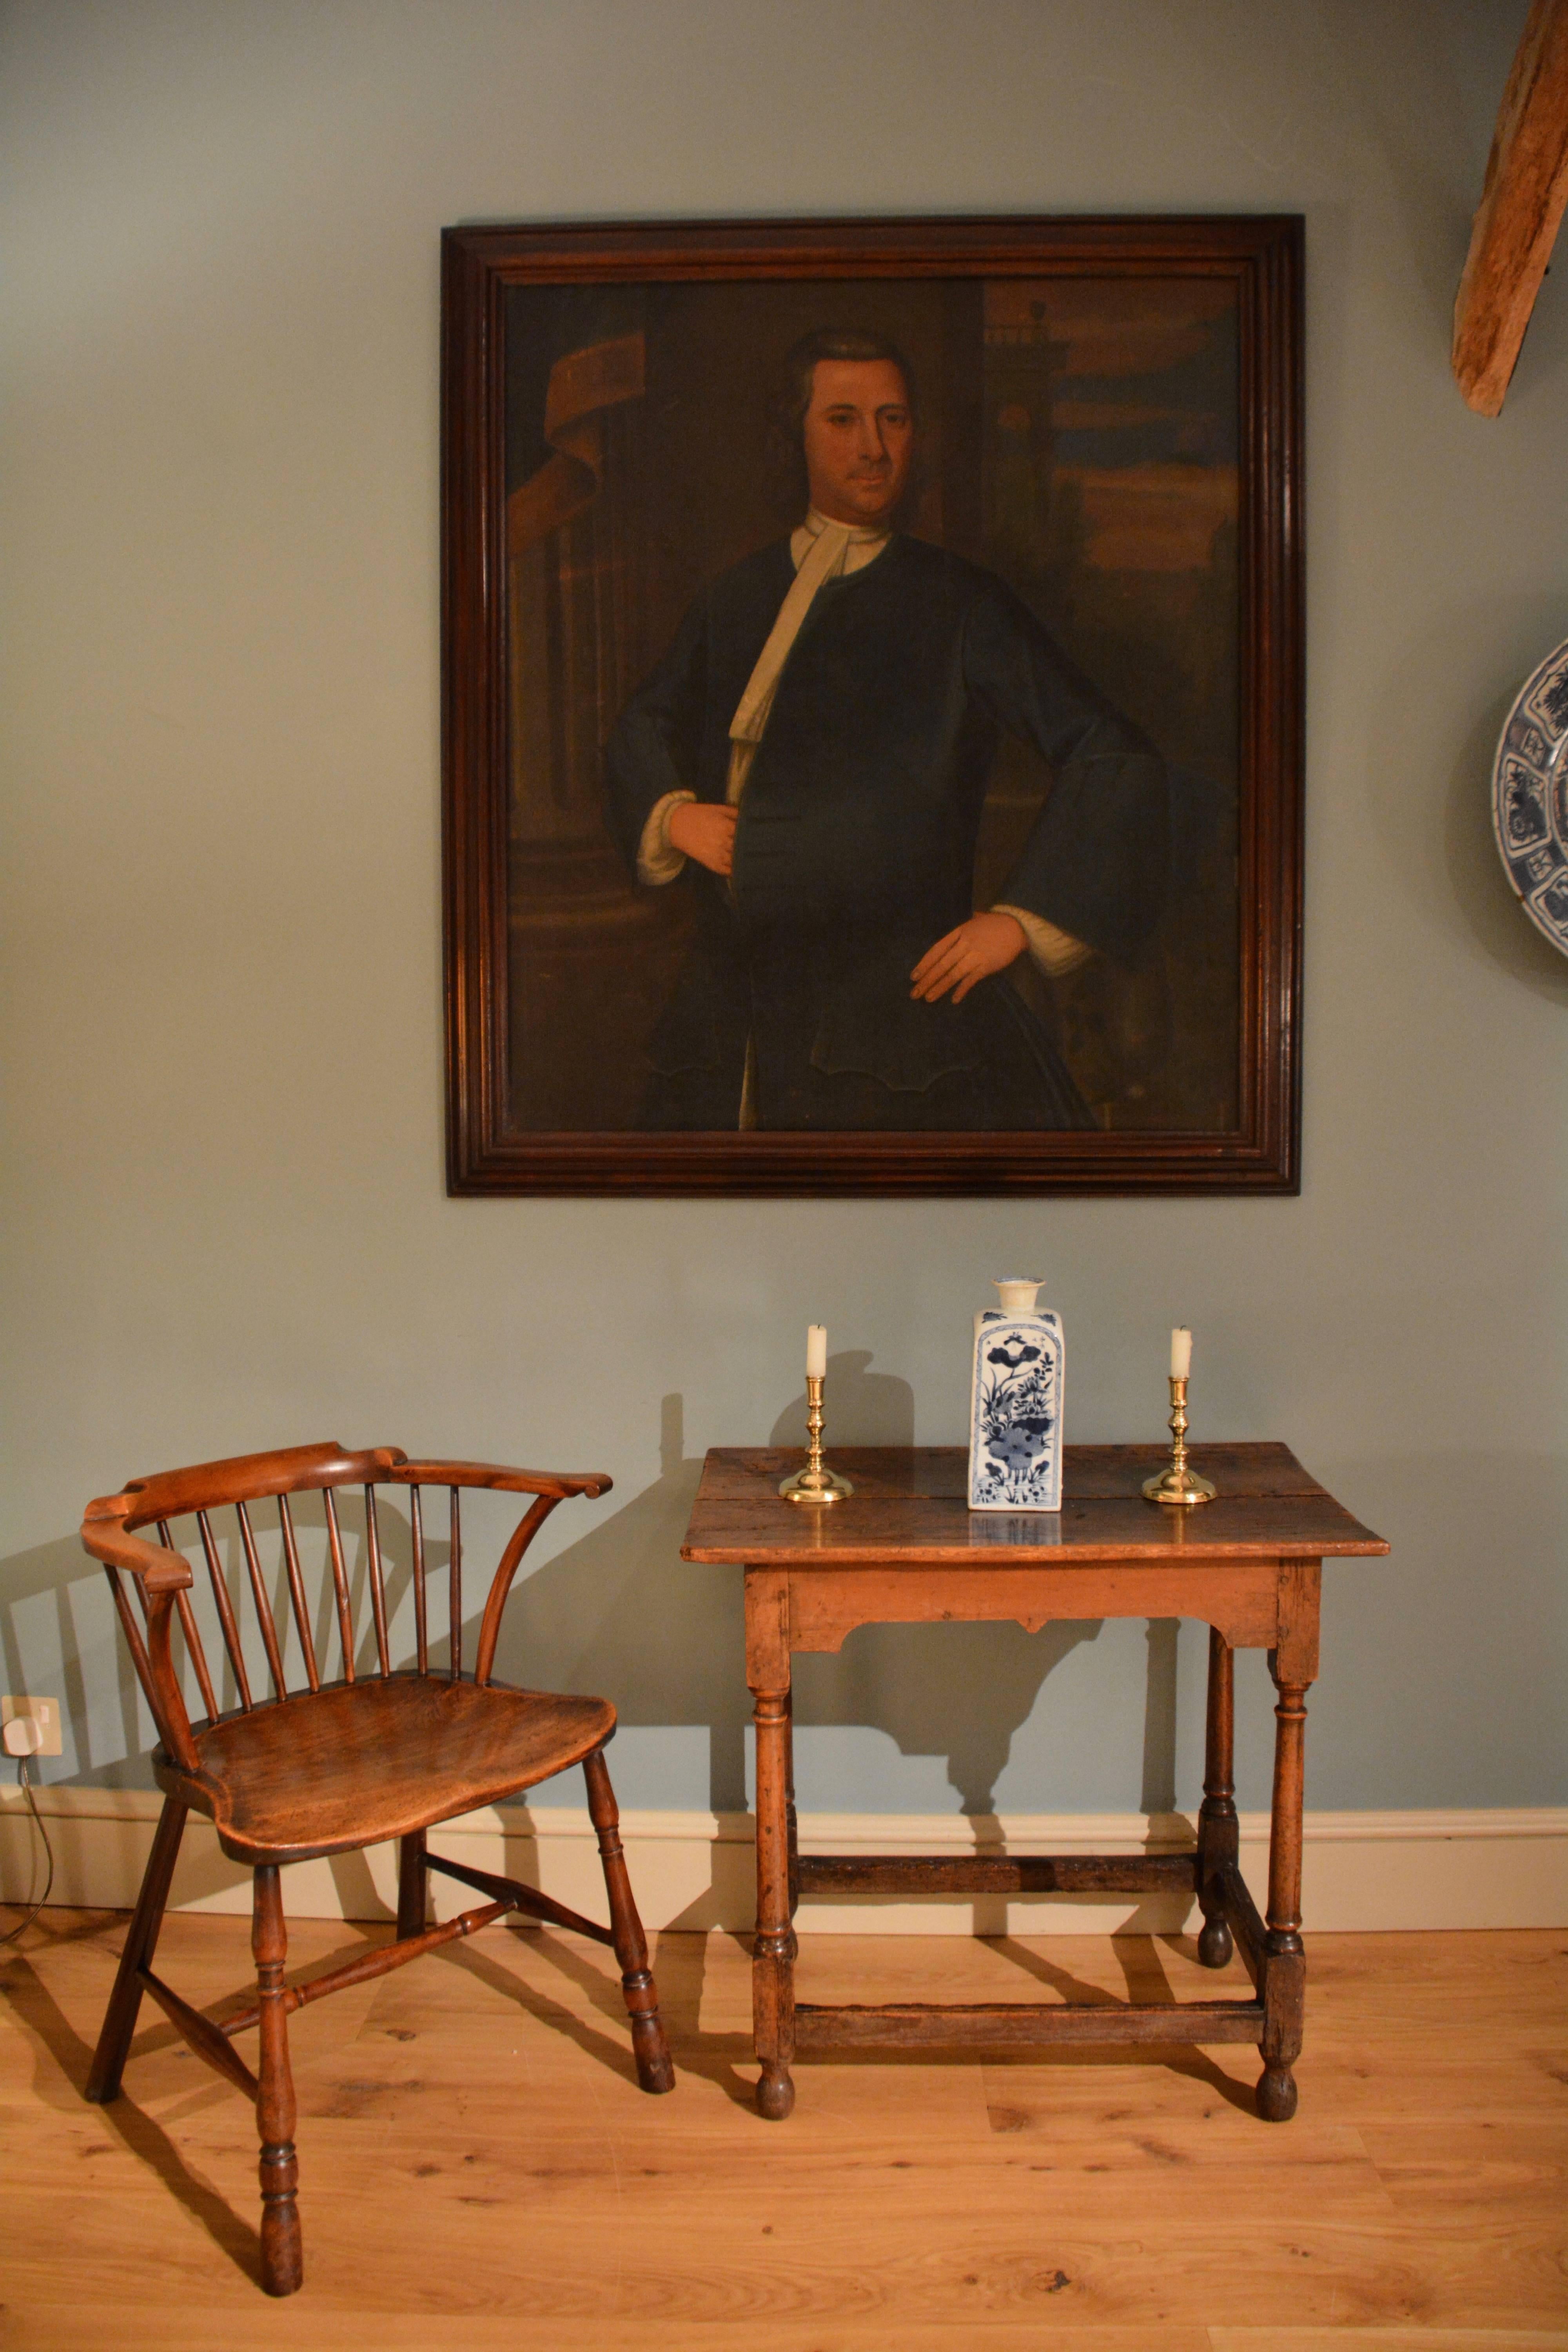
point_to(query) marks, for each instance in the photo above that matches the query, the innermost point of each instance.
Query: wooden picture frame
(1112, 435)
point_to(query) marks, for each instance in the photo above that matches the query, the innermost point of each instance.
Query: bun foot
(1276, 2095)
(775, 2095)
(1216, 1944)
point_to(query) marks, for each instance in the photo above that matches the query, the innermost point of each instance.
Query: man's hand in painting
(985, 944)
(699, 829)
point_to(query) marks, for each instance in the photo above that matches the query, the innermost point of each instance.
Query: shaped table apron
(1255, 1604)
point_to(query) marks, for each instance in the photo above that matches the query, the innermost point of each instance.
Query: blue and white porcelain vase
(1015, 1404)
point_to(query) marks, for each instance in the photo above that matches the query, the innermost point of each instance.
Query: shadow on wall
(621, 1613)
(44, 1582)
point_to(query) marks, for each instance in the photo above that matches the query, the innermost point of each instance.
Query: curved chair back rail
(160, 1577)
(337, 1761)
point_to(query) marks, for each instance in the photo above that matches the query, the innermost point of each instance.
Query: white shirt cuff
(1055, 952)
(656, 862)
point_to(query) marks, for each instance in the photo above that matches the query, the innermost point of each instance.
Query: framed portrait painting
(872, 699)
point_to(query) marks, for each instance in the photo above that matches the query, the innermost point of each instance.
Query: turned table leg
(1284, 1985)
(1217, 1826)
(794, 1824)
(772, 1953)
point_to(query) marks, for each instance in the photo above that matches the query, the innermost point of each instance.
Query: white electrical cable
(27, 1786)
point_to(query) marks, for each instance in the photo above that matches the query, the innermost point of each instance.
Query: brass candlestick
(1178, 1483)
(817, 1483)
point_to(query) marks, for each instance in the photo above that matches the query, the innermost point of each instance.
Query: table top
(911, 1504)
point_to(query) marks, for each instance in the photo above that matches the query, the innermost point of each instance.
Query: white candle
(1181, 1353)
(816, 1351)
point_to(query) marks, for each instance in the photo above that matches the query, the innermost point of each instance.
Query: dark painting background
(1080, 438)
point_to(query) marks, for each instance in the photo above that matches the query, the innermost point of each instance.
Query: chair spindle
(297, 1590)
(455, 1590)
(339, 1584)
(225, 1613)
(263, 1606)
(127, 1615)
(378, 1589)
(417, 1520)
(192, 1638)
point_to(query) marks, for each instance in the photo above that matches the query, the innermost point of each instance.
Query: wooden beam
(1522, 201)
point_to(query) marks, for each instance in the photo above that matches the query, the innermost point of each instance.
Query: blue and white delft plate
(1530, 797)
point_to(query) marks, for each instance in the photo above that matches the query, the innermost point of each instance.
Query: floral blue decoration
(1015, 1413)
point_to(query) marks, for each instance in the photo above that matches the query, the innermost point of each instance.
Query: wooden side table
(906, 1549)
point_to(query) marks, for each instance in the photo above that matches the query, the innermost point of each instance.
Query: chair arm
(103, 1534)
(163, 1576)
(557, 1484)
(522, 1535)
(548, 1488)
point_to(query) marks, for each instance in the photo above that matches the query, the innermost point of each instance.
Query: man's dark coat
(855, 846)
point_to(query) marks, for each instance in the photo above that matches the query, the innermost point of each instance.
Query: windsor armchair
(374, 1754)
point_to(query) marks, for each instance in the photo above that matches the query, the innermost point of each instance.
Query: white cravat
(821, 550)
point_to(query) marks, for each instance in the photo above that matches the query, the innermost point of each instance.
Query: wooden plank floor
(480, 2168)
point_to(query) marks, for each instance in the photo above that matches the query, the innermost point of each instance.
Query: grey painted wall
(226, 1225)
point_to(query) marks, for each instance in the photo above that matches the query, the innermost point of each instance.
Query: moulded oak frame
(1263, 254)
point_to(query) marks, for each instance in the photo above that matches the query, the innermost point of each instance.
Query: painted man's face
(860, 440)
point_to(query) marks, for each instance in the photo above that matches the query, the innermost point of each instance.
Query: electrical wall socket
(37, 1722)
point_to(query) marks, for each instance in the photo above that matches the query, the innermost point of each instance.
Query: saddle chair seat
(359, 1763)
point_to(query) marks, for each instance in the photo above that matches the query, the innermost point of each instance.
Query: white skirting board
(1363, 1871)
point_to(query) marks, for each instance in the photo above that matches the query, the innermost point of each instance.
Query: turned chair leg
(410, 1883)
(282, 2254)
(649, 2047)
(140, 1943)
